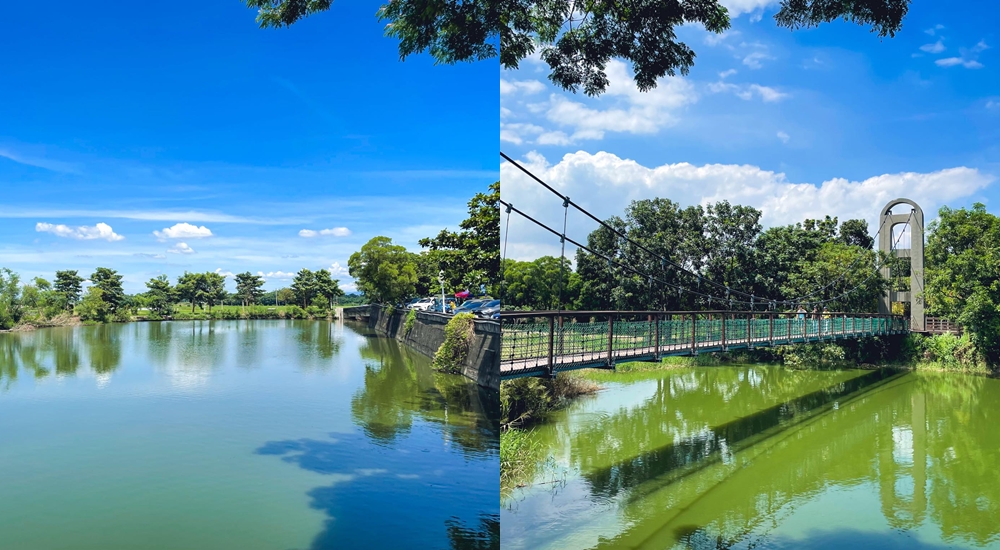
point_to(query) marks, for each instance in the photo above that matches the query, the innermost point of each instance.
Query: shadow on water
(682, 458)
(422, 468)
(695, 538)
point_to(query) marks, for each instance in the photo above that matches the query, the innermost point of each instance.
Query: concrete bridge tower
(907, 213)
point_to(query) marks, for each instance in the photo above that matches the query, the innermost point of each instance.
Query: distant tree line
(469, 258)
(312, 294)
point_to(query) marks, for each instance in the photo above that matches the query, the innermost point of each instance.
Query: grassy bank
(520, 455)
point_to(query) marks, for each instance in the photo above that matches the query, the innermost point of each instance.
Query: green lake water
(763, 457)
(240, 435)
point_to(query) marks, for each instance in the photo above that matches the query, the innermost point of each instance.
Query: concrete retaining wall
(427, 334)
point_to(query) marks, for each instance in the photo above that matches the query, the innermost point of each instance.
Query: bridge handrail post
(611, 340)
(723, 315)
(694, 334)
(770, 330)
(552, 367)
(656, 344)
(749, 337)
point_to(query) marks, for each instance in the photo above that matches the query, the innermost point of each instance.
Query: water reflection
(919, 448)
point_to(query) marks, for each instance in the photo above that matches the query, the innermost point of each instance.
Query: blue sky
(830, 120)
(162, 138)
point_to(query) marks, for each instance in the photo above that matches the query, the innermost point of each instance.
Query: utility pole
(441, 280)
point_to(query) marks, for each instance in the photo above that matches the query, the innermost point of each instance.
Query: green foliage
(577, 40)
(535, 284)
(249, 288)
(471, 257)
(411, 319)
(92, 307)
(161, 297)
(963, 275)
(112, 294)
(385, 273)
(69, 283)
(946, 352)
(452, 353)
(10, 298)
(520, 454)
(295, 312)
(327, 287)
(723, 243)
(215, 289)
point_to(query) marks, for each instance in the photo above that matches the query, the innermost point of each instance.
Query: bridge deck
(544, 344)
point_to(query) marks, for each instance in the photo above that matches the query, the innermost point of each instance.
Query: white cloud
(952, 61)
(183, 231)
(753, 59)
(517, 132)
(84, 232)
(522, 86)
(150, 256)
(934, 29)
(337, 270)
(276, 275)
(737, 7)
(554, 138)
(783, 137)
(766, 93)
(225, 273)
(180, 248)
(335, 232)
(605, 184)
(622, 109)
(969, 57)
(936, 47)
(724, 74)
(993, 104)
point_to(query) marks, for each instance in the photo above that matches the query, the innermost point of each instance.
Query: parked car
(488, 309)
(422, 304)
(409, 305)
(470, 305)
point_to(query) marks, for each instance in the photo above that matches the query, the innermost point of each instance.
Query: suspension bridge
(543, 343)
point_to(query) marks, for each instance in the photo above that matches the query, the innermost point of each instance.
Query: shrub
(454, 350)
(295, 312)
(411, 318)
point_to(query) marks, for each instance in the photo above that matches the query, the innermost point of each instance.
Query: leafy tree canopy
(577, 39)
(385, 272)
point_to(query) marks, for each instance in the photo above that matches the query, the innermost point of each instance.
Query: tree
(285, 295)
(215, 289)
(327, 287)
(962, 277)
(10, 298)
(112, 293)
(249, 288)
(161, 297)
(855, 233)
(535, 284)
(69, 283)
(577, 39)
(192, 287)
(42, 284)
(386, 273)
(304, 287)
(474, 251)
(92, 306)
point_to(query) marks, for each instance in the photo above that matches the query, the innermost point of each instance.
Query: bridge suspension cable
(664, 260)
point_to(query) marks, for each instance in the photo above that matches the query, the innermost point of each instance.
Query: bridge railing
(542, 342)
